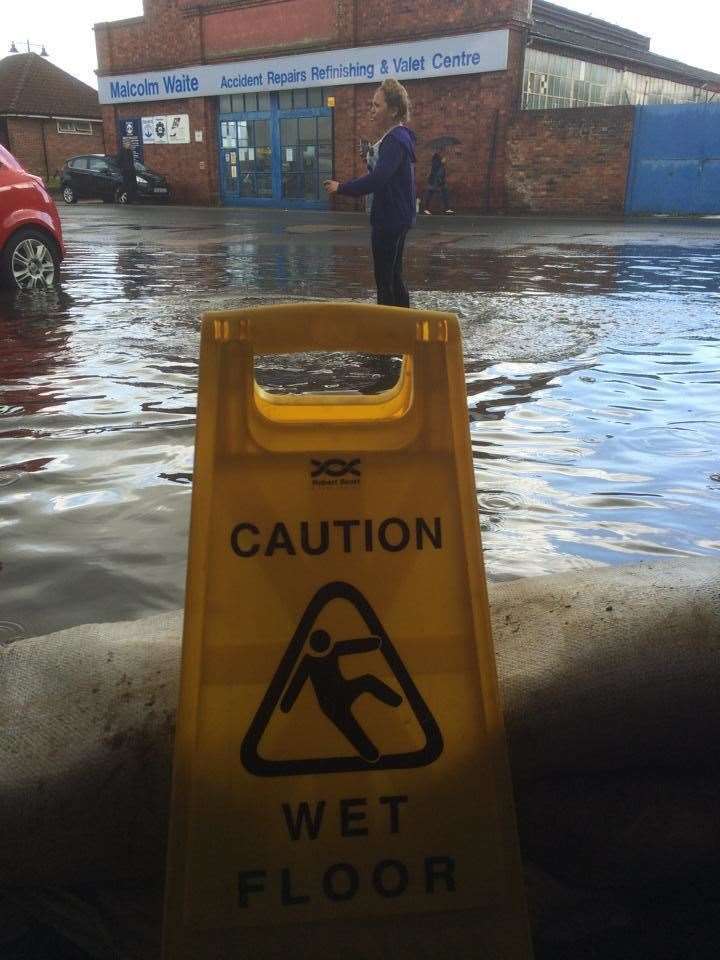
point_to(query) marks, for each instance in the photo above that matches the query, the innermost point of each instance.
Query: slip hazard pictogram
(320, 661)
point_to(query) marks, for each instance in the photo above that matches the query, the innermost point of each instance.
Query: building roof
(31, 85)
(568, 28)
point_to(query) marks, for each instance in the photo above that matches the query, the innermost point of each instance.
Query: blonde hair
(396, 97)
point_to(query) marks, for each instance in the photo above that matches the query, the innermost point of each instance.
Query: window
(315, 97)
(306, 156)
(581, 92)
(74, 126)
(554, 81)
(276, 145)
(79, 163)
(228, 132)
(97, 164)
(245, 103)
(300, 99)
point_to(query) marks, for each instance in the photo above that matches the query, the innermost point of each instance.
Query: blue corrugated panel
(675, 160)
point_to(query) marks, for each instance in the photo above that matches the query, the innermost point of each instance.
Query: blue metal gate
(675, 160)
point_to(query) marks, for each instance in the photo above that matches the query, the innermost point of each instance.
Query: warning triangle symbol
(312, 662)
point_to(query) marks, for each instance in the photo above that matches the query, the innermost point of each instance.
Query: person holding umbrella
(392, 183)
(126, 163)
(437, 180)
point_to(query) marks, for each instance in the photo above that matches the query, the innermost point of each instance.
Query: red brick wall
(62, 146)
(164, 37)
(239, 32)
(191, 168)
(26, 143)
(43, 156)
(474, 108)
(569, 161)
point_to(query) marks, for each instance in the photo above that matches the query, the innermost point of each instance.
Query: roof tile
(30, 84)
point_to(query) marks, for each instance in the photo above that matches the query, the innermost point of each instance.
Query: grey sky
(687, 32)
(66, 29)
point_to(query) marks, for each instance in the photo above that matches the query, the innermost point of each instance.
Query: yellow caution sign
(340, 757)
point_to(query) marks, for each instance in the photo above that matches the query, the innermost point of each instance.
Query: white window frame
(81, 127)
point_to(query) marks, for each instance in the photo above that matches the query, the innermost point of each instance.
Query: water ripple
(592, 378)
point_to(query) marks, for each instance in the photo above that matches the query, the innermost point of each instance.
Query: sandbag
(609, 676)
(611, 668)
(86, 719)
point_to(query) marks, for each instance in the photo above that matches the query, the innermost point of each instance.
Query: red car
(31, 244)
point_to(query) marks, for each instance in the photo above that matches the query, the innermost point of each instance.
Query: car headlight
(142, 180)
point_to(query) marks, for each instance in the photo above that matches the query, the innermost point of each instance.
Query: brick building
(46, 115)
(256, 103)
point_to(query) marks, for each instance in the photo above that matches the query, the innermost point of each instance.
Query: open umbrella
(439, 142)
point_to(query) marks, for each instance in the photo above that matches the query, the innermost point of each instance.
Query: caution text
(393, 534)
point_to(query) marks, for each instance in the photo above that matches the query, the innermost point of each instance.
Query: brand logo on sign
(335, 468)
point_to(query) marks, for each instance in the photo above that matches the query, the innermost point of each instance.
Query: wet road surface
(592, 365)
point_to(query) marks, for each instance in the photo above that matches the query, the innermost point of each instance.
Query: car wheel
(68, 194)
(29, 261)
(122, 196)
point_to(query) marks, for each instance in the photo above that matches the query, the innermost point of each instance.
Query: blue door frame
(274, 115)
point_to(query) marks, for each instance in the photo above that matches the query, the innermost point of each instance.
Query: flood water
(592, 371)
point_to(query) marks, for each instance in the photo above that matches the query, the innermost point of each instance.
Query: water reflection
(327, 372)
(33, 337)
(592, 377)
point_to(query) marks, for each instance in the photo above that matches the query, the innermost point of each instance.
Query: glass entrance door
(229, 174)
(275, 157)
(306, 155)
(255, 158)
(246, 160)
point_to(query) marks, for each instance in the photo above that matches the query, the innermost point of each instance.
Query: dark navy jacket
(392, 182)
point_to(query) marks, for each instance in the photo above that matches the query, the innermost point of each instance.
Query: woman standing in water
(392, 183)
